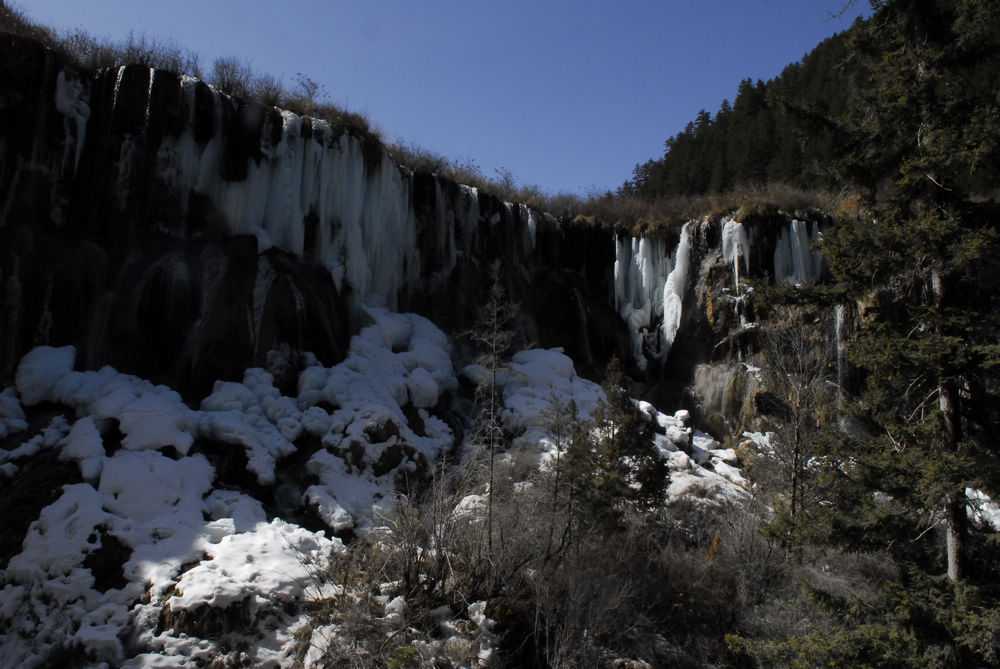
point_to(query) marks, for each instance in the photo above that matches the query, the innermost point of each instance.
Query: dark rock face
(182, 312)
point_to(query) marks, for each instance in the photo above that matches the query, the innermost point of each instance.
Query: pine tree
(616, 465)
(494, 337)
(921, 273)
(928, 336)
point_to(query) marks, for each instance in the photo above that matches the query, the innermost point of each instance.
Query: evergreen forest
(902, 112)
(794, 129)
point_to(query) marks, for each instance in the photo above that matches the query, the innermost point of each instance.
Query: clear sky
(566, 94)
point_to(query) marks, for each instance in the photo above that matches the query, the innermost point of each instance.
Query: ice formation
(12, 418)
(674, 289)
(188, 544)
(736, 248)
(71, 103)
(650, 282)
(536, 382)
(399, 360)
(642, 266)
(312, 182)
(795, 261)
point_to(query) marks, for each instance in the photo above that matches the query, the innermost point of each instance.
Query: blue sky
(567, 95)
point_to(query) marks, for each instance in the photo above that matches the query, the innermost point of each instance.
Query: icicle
(642, 268)
(469, 217)
(118, 85)
(673, 291)
(528, 216)
(261, 288)
(70, 103)
(838, 323)
(149, 95)
(794, 259)
(736, 245)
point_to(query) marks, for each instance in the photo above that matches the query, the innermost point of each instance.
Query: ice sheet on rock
(760, 440)
(84, 445)
(63, 607)
(329, 509)
(158, 661)
(795, 261)
(346, 497)
(702, 445)
(537, 380)
(677, 434)
(540, 379)
(245, 511)
(12, 418)
(158, 507)
(687, 478)
(253, 414)
(57, 542)
(271, 562)
(39, 371)
(422, 388)
(736, 248)
(53, 433)
(400, 360)
(49, 596)
(730, 472)
(381, 361)
(149, 416)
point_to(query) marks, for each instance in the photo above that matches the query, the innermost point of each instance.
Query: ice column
(673, 290)
(794, 259)
(641, 269)
(736, 245)
(70, 103)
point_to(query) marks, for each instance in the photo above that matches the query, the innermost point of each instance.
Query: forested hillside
(792, 129)
(910, 467)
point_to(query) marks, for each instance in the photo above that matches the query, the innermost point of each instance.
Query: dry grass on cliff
(16, 22)
(628, 212)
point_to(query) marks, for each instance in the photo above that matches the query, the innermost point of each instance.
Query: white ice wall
(650, 282)
(675, 287)
(366, 235)
(642, 266)
(795, 261)
(736, 247)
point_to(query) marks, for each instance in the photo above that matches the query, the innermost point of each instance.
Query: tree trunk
(956, 506)
(956, 530)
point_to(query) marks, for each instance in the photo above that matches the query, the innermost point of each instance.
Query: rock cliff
(182, 235)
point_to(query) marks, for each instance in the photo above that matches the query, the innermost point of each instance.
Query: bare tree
(796, 376)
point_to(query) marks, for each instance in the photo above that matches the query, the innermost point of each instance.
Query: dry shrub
(232, 77)
(16, 22)
(90, 53)
(267, 90)
(137, 49)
